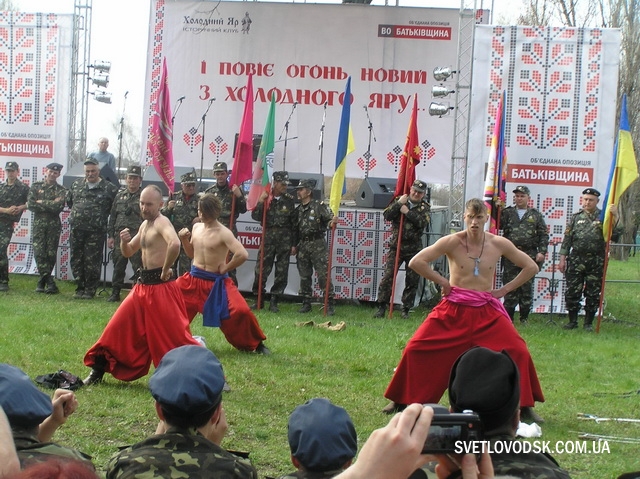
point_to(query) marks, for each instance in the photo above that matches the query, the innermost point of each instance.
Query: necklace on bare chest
(476, 269)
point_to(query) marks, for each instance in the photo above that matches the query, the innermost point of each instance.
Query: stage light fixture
(440, 91)
(439, 109)
(101, 96)
(442, 73)
(101, 66)
(100, 80)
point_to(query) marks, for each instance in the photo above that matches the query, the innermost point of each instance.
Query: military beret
(282, 176)
(487, 383)
(91, 161)
(134, 170)
(420, 186)
(591, 191)
(11, 166)
(219, 166)
(321, 435)
(311, 184)
(522, 189)
(23, 403)
(188, 178)
(188, 381)
(55, 166)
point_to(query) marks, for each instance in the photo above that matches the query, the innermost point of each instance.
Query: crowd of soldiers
(99, 211)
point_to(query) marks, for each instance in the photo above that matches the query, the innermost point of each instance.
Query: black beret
(487, 383)
(134, 170)
(591, 191)
(55, 166)
(23, 403)
(11, 166)
(321, 435)
(188, 381)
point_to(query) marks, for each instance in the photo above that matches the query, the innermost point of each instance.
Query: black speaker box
(77, 171)
(151, 177)
(318, 190)
(375, 192)
(257, 139)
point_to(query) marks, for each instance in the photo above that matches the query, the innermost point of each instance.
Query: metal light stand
(203, 123)
(286, 136)
(120, 133)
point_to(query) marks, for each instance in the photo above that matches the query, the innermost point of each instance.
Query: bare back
(156, 237)
(212, 243)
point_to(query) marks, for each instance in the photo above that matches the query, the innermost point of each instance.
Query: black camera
(449, 428)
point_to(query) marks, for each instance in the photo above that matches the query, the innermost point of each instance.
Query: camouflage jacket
(184, 211)
(416, 220)
(280, 214)
(178, 453)
(31, 451)
(311, 221)
(125, 213)
(12, 195)
(311, 475)
(529, 234)
(90, 208)
(52, 199)
(584, 235)
(225, 195)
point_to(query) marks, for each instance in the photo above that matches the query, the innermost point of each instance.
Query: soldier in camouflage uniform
(313, 217)
(278, 239)
(182, 210)
(13, 201)
(46, 201)
(90, 200)
(187, 386)
(322, 439)
(582, 259)
(226, 193)
(416, 213)
(125, 213)
(526, 229)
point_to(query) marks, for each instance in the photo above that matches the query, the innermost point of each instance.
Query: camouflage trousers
(45, 238)
(522, 296)
(313, 255)
(120, 265)
(87, 251)
(277, 248)
(583, 276)
(182, 264)
(6, 232)
(410, 282)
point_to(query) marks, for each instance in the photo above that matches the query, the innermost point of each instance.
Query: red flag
(410, 155)
(496, 176)
(241, 171)
(160, 141)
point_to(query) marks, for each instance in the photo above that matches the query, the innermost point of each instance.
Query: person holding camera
(125, 213)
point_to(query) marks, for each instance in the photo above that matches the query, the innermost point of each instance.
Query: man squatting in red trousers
(469, 314)
(208, 289)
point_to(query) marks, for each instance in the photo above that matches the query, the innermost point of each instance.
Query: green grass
(42, 334)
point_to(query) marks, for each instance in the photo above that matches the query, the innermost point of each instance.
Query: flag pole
(398, 246)
(329, 265)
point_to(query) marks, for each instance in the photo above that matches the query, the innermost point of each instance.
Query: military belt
(312, 237)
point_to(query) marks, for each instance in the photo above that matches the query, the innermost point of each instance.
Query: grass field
(579, 373)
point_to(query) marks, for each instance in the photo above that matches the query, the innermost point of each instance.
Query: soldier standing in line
(416, 213)
(278, 239)
(313, 217)
(13, 201)
(90, 200)
(225, 193)
(525, 228)
(125, 213)
(182, 210)
(46, 201)
(582, 259)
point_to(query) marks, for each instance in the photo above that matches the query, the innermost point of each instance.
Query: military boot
(588, 320)
(331, 307)
(573, 320)
(273, 304)
(511, 312)
(52, 288)
(524, 315)
(405, 312)
(115, 296)
(382, 308)
(306, 306)
(255, 305)
(97, 371)
(40, 285)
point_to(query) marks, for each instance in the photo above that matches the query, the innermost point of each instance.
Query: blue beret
(321, 435)
(23, 403)
(188, 381)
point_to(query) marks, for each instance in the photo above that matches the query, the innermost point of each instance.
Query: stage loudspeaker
(77, 172)
(295, 178)
(151, 177)
(375, 192)
(257, 139)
